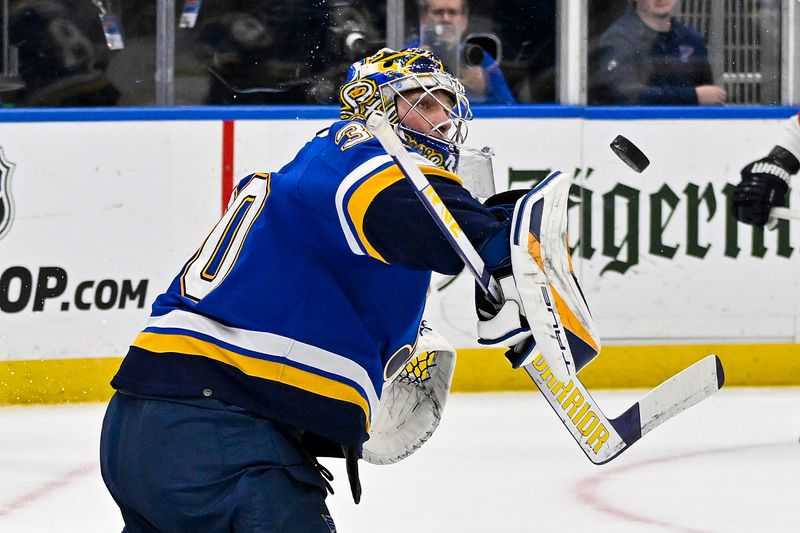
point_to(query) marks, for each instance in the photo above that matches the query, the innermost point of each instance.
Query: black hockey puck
(629, 153)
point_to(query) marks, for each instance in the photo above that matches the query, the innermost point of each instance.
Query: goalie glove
(507, 325)
(764, 185)
(412, 403)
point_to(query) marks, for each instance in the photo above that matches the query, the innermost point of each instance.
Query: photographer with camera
(442, 27)
(263, 52)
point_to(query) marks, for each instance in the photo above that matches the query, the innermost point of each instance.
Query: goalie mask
(380, 81)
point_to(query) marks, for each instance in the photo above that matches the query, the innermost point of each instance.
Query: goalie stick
(785, 213)
(447, 224)
(601, 439)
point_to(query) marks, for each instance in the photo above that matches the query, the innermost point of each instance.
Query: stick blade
(683, 390)
(629, 153)
(602, 439)
(675, 395)
(582, 417)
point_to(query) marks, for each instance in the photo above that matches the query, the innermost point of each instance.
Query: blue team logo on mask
(6, 201)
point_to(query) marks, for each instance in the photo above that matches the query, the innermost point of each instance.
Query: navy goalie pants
(202, 465)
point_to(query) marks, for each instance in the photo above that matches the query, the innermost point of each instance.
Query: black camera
(475, 45)
(445, 41)
(351, 34)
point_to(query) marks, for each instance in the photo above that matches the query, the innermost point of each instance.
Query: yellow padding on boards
(477, 370)
(57, 380)
(631, 367)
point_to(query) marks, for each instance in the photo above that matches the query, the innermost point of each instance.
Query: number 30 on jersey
(216, 257)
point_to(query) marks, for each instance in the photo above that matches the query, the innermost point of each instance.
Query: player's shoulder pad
(370, 171)
(348, 134)
(353, 137)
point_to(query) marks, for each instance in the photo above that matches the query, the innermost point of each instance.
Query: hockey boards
(602, 438)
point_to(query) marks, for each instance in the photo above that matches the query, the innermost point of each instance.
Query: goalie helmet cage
(744, 45)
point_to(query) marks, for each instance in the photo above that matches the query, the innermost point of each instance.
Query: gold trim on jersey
(251, 366)
(366, 192)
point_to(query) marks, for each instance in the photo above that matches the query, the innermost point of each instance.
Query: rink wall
(100, 208)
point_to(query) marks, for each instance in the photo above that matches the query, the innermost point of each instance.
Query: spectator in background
(483, 80)
(647, 57)
(527, 29)
(293, 52)
(63, 55)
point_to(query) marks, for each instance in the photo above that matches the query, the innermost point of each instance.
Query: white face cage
(446, 91)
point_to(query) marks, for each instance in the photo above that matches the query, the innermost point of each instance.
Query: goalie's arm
(400, 229)
(790, 141)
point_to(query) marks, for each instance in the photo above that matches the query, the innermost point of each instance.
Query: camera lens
(356, 43)
(473, 55)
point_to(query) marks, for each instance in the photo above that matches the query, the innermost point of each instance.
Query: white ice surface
(498, 463)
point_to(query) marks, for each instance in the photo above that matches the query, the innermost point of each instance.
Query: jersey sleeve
(791, 136)
(381, 216)
(402, 232)
(242, 184)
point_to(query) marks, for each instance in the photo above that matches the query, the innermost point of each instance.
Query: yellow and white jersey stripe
(261, 354)
(360, 187)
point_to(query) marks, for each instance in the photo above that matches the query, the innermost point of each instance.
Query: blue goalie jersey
(294, 303)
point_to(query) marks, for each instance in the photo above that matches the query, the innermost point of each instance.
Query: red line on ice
(588, 489)
(47, 489)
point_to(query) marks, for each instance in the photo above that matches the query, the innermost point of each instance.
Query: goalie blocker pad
(412, 403)
(549, 293)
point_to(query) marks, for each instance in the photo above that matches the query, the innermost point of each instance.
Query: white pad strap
(411, 405)
(505, 326)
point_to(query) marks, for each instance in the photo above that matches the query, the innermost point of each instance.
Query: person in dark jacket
(647, 57)
(483, 80)
(63, 55)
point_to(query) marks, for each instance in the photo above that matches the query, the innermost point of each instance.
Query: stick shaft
(379, 126)
(785, 213)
